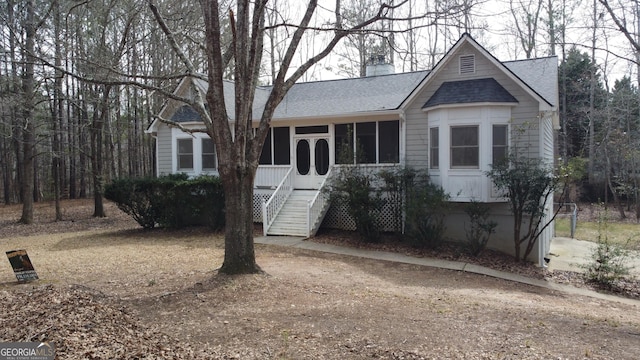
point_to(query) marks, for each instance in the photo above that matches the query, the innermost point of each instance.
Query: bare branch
(171, 38)
(623, 29)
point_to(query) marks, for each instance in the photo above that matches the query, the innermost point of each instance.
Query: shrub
(528, 184)
(396, 181)
(170, 201)
(136, 197)
(607, 264)
(352, 186)
(480, 227)
(426, 208)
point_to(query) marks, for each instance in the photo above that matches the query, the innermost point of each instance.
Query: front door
(311, 160)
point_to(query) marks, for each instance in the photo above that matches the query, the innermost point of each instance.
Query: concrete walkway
(301, 243)
(571, 254)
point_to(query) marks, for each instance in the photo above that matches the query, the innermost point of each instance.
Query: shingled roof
(470, 91)
(355, 96)
(348, 96)
(185, 113)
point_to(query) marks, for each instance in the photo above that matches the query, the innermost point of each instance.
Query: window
(500, 143)
(434, 144)
(389, 142)
(208, 154)
(320, 129)
(464, 147)
(185, 154)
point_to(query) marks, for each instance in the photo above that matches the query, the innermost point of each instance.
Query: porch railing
(269, 176)
(271, 207)
(316, 206)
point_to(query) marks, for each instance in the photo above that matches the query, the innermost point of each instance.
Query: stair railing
(271, 207)
(317, 205)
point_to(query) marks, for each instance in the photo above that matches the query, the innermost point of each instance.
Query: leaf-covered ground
(109, 290)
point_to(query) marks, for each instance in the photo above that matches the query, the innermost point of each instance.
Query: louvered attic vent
(467, 64)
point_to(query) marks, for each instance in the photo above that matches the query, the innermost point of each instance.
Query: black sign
(21, 265)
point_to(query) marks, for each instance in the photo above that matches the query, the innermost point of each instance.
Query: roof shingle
(470, 91)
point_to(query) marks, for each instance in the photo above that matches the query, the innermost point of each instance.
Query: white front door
(311, 160)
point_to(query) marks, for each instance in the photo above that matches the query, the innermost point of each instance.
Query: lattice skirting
(259, 196)
(338, 216)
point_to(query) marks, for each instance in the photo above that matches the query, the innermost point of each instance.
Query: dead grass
(156, 294)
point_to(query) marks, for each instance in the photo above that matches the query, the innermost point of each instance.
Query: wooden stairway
(292, 218)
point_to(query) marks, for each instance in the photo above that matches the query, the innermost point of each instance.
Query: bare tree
(237, 144)
(28, 130)
(526, 16)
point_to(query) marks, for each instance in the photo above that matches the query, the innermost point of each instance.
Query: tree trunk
(28, 131)
(592, 90)
(57, 118)
(239, 254)
(97, 163)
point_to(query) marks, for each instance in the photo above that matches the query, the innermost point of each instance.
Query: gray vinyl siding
(165, 147)
(548, 149)
(525, 121)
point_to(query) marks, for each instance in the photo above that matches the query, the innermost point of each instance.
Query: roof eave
(341, 115)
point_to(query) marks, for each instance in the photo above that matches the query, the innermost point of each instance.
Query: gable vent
(467, 64)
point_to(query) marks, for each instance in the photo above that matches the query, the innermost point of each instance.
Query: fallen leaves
(83, 323)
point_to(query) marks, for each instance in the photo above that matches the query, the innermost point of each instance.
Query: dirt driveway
(156, 295)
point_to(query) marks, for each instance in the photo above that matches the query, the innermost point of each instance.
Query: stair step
(292, 218)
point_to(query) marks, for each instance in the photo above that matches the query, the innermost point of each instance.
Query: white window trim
(197, 153)
(477, 185)
(176, 163)
(477, 125)
(431, 168)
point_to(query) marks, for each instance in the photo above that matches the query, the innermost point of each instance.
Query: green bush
(608, 260)
(173, 201)
(480, 227)
(396, 182)
(353, 187)
(136, 197)
(426, 208)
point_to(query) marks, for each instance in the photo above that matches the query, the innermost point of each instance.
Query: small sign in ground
(22, 266)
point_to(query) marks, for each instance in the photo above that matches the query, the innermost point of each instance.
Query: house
(452, 121)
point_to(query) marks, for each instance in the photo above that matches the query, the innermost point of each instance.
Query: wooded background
(80, 81)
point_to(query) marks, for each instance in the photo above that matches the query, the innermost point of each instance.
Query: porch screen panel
(265, 155)
(389, 141)
(281, 146)
(366, 143)
(344, 144)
